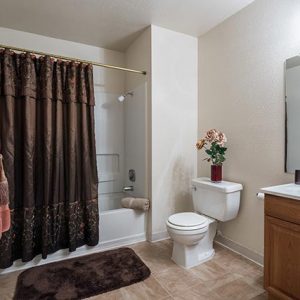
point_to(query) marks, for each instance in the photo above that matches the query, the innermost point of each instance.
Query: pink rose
(221, 139)
(211, 135)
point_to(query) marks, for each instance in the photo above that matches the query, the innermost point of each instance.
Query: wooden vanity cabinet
(282, 247)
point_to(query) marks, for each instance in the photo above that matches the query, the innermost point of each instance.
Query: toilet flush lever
(194, 188)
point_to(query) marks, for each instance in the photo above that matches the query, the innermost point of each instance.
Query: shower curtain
(47, 139)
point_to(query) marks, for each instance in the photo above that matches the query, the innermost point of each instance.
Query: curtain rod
(94, 63)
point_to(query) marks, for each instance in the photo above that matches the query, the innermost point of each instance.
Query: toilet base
(189, 256)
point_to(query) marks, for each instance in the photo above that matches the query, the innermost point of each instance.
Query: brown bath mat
(82, 277)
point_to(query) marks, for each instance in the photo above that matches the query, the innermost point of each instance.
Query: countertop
(290, 190)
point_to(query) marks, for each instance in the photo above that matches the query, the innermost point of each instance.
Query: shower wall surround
(109, 123)
(135, 111)
(120, 144)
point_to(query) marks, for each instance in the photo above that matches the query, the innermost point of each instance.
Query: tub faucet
(128, 188)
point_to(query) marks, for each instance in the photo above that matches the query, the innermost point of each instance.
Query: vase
(216, 173)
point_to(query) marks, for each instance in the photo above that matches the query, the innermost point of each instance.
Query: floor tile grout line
(188, 288)
(162, 287)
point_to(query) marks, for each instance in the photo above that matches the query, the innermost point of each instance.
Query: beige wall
(241, 91)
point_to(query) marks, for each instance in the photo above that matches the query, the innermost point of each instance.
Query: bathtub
(117, 226)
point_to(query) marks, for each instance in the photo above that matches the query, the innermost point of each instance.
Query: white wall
(174, 123)
(241, 91)
(109, 113)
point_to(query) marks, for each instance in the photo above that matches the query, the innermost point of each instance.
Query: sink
(290, 190)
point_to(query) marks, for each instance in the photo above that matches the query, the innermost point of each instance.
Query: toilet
(193, 232)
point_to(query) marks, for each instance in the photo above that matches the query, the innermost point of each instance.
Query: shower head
(122, 97)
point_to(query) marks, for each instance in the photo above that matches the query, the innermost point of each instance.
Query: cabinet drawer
(282, 208)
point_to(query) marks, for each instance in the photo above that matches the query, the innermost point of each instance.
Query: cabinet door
(282, 258)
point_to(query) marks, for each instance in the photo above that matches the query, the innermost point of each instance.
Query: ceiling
(114, 24)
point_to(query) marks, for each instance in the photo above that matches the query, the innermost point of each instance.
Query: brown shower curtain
(47, 139)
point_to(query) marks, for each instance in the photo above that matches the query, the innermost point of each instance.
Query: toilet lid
(187, 219)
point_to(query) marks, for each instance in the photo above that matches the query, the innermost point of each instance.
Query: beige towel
(136, 203)
(4, 219)
(4, 197)
(4, 201)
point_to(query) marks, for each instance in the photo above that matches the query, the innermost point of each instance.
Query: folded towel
(4, 195)
(136, 203)
(4, 218)
(4, 200)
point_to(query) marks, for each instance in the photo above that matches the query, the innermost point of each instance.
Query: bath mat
(82, 277)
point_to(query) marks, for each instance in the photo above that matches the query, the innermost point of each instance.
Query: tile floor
(227, 276)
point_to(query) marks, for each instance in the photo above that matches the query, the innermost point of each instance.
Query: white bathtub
(118, 227)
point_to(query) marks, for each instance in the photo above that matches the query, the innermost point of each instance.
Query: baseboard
(159, 236)
(65, 254)
(239, 249)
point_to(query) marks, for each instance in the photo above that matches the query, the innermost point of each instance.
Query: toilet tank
(220, 201)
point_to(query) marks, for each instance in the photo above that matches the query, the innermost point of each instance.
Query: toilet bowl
(192, 236)
(193, 232)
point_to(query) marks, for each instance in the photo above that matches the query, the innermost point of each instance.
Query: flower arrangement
(216, 152)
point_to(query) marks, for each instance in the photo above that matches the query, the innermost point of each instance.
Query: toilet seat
(187, 221)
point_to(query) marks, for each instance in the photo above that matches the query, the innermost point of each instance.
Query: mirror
(292, 114)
